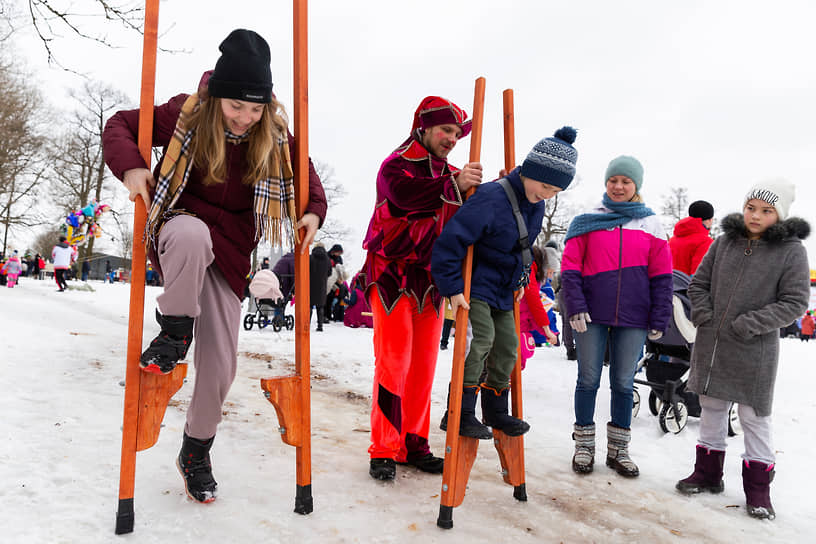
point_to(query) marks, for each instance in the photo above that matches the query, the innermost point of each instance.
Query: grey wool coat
(741, 295)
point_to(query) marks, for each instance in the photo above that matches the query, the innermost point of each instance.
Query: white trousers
(756, 429)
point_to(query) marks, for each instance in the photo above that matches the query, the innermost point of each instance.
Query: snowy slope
(60, 446)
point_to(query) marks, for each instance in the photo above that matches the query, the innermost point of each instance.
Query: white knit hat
(265, 284)
(776, 192)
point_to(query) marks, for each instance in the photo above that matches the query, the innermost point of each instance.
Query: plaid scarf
(274, 201)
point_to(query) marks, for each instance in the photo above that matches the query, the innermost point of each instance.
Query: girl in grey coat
(754, 280)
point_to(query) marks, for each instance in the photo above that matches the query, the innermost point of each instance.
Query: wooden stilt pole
(511, 448)
(127, 470)
(460, 451)
(291, 395)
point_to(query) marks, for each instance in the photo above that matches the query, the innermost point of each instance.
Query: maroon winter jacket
(689, 244)
(226, 208)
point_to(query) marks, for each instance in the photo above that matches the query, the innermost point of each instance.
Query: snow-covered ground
(61, 403)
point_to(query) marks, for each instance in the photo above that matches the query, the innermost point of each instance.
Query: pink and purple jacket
(621, 277)
(416, 195)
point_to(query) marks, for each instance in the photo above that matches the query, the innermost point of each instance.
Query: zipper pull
(748, 250)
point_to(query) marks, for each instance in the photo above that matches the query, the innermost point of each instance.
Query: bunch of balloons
(80, 225)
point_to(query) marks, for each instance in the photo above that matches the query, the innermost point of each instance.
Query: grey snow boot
(584, 458)
(617, 455)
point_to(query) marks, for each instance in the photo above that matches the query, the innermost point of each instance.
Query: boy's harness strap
(524, 239)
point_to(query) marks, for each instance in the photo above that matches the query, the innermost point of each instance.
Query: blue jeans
(625, 344)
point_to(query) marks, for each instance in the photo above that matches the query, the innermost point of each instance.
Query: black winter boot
(170, 346)
(382, 468)
(756, 482)
(707, 475)
(496, 413)
(468, 424)
(194, 464)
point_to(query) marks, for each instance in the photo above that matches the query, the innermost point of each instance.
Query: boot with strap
(468, 424)
(707, 475)
(194, 464)
(617, 455)
(170, 346)
(756, 482)
(583, 460)
(496, 413)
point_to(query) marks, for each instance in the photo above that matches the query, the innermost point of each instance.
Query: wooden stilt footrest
(155, 392)
(511, 455)
(285, 395)
(467, 455)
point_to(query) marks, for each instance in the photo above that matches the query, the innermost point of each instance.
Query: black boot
(496, 414)
(382, 468)
(194, 464)
(320, 318)
(170, 346)
(468, 424)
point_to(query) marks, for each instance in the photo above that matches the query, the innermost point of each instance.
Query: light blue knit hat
(626, 166)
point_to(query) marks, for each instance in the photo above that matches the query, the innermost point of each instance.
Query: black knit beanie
(701, 209)
(243, 71)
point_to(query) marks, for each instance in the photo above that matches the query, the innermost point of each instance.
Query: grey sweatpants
(756, 429)
(194, 287)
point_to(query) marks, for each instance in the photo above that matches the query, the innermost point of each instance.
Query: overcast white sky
(711, 96)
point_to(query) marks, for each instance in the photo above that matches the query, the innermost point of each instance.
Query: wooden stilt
(135, 410)
(511, 448)
(460, 451)
(291, 395)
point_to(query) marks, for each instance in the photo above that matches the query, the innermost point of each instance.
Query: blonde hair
(209, 144)
(636, 198)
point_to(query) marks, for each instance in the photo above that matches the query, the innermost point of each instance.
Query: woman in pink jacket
(616, 273)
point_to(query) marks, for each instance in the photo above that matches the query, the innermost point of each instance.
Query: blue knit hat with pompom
(552, 160)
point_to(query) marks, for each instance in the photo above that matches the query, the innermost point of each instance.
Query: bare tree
(45, 242)
(53, 20)
(21, 158)
(675, 204)
(78, 172)
(332, 229)
(557, 217)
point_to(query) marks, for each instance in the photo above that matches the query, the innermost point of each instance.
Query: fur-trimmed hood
(733, 226)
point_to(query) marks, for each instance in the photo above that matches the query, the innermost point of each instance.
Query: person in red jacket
(225, 182)
(691, 237)
(807, 327)
(417, 191)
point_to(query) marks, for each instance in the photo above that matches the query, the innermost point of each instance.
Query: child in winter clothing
(224, 184)
(753, 280)
(12, 269)
(63, 256)
(488, 222)
(533, 316)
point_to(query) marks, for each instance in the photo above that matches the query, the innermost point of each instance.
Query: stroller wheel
(654, 403)
(734, 427)
(670, 421)
(290, 322)
(249, 319)
(263, 321)
(635, 402)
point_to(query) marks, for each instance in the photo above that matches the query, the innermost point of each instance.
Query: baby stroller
(667, 365)
(269, 311)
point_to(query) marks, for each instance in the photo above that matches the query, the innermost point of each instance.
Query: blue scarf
(621, 212)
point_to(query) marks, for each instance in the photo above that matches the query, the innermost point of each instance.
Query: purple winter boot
(707, 475)
(756, 482)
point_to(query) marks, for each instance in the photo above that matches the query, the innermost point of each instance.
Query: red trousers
(406, 344)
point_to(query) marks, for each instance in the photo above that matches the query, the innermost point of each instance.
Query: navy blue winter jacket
(486, 221)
